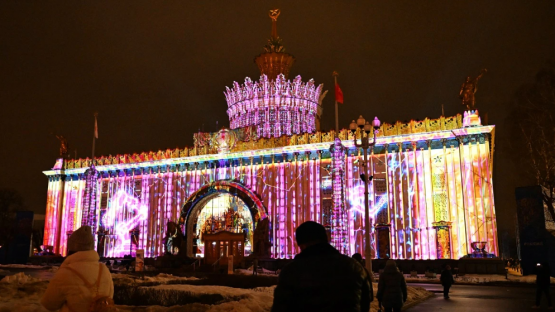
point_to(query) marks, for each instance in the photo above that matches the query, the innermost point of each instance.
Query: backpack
(99, 303)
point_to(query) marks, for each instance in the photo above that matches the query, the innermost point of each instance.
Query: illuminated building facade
(431, 195)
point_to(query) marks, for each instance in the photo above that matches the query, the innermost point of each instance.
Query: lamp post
(365, 144)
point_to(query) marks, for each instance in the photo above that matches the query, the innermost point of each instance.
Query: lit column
(443, 234)
(90, 198)
(338, 235)
(383, 226)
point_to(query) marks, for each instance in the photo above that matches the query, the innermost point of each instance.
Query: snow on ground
(19, 279)
(22, 266)
(232, 299)
(249, 272)
(245, 300)
(513, 277)
(161, 278)
(22, 292)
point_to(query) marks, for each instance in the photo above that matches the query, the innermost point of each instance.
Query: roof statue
(468, 89)
(63, 146)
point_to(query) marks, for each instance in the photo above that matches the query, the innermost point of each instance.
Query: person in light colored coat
(67, 290)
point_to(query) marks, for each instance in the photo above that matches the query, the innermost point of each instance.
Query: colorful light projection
(53, 205)
(275, 108)
(339, 238)
(288, 181)
(223, 212)
(90, 198)
(124, 214)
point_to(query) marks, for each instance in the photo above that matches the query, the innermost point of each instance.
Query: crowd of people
(514, 264)
(322, 279)
(319, 278)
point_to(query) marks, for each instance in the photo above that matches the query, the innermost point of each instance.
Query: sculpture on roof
(468, 89)
(63, 145)
(273, 60)
(275, 43)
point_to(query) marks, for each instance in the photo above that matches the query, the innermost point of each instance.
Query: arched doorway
(222, 205)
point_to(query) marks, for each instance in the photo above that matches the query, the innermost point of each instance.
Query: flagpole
(335, 74)
(94, 137)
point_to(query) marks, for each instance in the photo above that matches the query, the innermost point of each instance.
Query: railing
(216, 263)
(196, 263)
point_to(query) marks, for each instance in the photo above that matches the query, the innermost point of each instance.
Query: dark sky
(156, 70)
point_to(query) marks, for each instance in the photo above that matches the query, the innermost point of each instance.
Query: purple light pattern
(117, 218)
(275, 108)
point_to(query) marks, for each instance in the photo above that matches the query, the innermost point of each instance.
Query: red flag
(338, 94)
(95, 128)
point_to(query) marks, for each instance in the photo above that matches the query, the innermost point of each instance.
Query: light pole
(365, 144)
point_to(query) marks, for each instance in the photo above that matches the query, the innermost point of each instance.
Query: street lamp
(365, 144)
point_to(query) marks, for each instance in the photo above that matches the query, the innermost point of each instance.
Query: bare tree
(534, 130)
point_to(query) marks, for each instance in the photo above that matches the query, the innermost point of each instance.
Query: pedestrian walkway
(480, 298)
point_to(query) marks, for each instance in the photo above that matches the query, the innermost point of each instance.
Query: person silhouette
(320, 278)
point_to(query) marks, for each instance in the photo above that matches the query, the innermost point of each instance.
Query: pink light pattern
(274, 108)
(339, 234)
(124, 214)
(291, 191)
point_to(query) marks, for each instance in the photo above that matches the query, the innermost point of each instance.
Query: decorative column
(90, 198)
(443, 239)
(440, 193)
(339, 215)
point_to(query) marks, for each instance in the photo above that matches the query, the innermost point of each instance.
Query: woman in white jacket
(80, 278)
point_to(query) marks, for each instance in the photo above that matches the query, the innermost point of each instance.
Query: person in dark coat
(447, 280)
(392, 288)
(320, 278)
(543, 281)
(358, 257)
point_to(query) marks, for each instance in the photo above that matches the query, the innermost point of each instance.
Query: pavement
(477, 298)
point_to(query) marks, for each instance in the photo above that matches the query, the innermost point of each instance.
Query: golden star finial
(274, 14)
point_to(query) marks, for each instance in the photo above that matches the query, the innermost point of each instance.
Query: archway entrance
(221, 206)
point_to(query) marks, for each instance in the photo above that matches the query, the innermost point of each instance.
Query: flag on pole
(338, 94)
(95, 127)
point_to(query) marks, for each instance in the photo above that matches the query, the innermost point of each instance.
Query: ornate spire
(274, 14)
(274, 61)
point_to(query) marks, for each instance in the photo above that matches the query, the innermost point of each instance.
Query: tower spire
(274, 14)
(274, 61)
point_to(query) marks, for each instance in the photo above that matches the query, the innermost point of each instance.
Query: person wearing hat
(81, 280)
(392, 288)
(320, 278)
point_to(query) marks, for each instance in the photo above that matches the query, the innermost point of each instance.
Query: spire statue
(274, 61)
(274, 14)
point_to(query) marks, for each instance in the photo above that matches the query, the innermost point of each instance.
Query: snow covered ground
(161, 278)
(21, 292)
(260, 271)
(513, 277)
(22, 266)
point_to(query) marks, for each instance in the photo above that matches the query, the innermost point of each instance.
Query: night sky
(155, 71)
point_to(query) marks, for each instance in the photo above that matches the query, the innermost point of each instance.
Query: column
(338, 228)
(443, 239)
